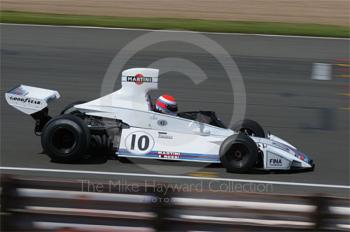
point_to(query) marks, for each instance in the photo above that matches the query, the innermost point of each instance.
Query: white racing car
(125, 122)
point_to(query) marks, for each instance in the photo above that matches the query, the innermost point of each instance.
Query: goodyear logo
(25, 100)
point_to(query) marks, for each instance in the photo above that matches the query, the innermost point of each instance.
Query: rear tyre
(249, 127)
(65, 138)
(238, 153)
(70, 109)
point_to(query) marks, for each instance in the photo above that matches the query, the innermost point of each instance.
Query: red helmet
(166, 104)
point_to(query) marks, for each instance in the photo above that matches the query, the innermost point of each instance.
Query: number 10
(142, 142)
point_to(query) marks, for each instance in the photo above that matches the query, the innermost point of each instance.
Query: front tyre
(238, 153)
(65, 138)
(249, 127)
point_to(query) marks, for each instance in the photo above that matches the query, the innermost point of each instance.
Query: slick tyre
(70, 109)
(238, 153)
(250, 127)
(65, 138)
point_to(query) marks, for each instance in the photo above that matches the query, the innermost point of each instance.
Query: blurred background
(294, 60)
(333, 12)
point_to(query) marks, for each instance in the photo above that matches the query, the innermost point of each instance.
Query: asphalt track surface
(277, 75)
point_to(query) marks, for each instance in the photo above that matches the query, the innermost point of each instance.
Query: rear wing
(30, 100)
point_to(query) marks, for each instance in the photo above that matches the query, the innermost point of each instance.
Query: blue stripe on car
(182, 156)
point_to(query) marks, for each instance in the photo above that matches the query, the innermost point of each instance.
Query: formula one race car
(126, 123)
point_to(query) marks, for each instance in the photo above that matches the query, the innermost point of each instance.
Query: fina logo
(276, 162)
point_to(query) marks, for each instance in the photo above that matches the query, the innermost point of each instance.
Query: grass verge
(178, 24)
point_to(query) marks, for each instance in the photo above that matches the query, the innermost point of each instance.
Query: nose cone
(305, 162)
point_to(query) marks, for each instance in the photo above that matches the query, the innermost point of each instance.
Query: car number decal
(139, 142)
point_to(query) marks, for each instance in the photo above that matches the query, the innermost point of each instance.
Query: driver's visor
(172, 108)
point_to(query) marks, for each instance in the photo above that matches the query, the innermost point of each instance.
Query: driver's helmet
(166, 104)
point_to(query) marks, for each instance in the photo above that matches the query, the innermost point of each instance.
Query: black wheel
(238, 153)
(250, 127)
(70, 109)
(65, 138)
(101, 144)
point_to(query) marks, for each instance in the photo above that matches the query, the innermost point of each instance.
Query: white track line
(174, 177)
(172, 31)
